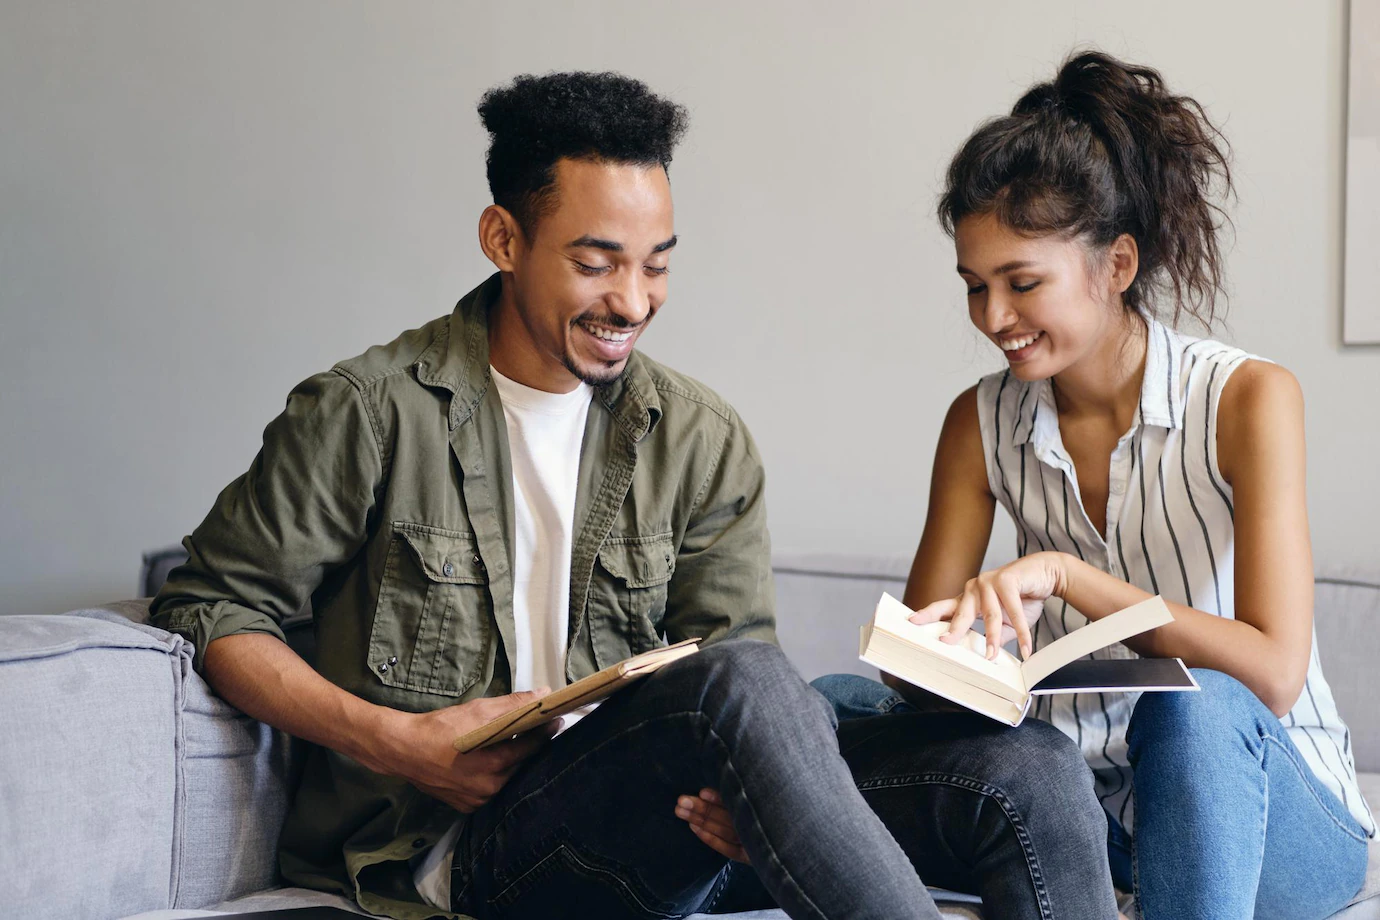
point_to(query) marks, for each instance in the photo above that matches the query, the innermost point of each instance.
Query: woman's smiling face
(1036, 297)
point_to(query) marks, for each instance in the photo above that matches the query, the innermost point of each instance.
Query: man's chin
(596, 373)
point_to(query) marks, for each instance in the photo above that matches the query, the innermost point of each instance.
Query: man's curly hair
(536, 121)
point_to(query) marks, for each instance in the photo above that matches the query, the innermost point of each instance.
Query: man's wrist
(380, 744)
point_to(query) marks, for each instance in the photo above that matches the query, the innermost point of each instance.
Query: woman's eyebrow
(1001, 269)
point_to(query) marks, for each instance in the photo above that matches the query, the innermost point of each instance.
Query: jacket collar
(458, 361)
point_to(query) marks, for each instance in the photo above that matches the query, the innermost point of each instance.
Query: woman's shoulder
(1225, 370)
(1257, 390)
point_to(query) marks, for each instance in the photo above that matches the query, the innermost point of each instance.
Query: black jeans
(1009, 814)
(587, 828)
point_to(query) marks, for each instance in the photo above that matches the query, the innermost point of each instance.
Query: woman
(1138, 461)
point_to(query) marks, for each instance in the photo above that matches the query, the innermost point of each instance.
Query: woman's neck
(1107, 382)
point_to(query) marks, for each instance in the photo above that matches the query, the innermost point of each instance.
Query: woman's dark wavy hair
(535, 121)
(1106, 149)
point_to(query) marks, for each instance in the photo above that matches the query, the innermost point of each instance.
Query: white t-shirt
(545, 432)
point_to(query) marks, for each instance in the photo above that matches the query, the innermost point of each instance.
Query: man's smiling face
(579, 291)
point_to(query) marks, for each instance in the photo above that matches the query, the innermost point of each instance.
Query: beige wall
(202, 203)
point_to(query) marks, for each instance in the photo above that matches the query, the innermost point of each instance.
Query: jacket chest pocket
(627, 595)
(432, 626)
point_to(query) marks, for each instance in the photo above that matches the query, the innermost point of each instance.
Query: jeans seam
(629, 895)
(771, 850)
(1135, 878)
(1308, 776)
(757, 825)
(1002, 800)
(717, 892)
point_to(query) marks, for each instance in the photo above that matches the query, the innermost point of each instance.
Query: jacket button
(383, 667)
(479, 562)
(448, 570)
(419, 843)
(393, 659)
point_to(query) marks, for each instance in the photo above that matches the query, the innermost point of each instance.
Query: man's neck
(515, 355)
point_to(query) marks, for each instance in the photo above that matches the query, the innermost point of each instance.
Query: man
(505, 500)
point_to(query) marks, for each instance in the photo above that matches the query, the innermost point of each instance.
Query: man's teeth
(1017, 344)
(607, 335)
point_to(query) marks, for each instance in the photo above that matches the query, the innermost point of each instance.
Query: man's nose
(628, 299)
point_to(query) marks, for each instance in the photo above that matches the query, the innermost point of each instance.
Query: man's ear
(501, 238)
(1124, 258)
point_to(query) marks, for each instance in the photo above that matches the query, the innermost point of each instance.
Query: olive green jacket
(384, 494)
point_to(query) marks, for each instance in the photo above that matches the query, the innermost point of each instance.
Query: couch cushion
(287, 898)
(1346, 611)
(234, 780)
(88, 711)
(1370, 891)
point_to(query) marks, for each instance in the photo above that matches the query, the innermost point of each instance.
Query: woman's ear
(501, 238)
(1123, 255)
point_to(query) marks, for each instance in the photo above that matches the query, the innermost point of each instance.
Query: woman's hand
(1009, 600)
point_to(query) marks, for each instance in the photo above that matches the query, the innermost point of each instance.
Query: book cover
(592, 689)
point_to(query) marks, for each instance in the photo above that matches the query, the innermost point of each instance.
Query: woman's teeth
(1018, 344)
(606, 334)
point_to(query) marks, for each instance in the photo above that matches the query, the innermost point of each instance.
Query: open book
(1002, 689)
(592, 689)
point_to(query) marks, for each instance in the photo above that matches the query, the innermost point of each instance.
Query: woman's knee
(1193, 720)
(854, 697)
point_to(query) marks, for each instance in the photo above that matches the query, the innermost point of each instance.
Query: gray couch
(128, 789)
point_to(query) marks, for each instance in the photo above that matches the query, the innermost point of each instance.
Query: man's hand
(421, 752)
(711, 822)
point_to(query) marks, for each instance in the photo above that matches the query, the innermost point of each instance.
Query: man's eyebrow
(594, 242)
(1001, 269)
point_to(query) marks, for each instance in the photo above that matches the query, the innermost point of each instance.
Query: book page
(904, 665)
(1117, 627)
(893, 617)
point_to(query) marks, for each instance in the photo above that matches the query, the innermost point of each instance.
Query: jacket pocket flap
(446, 556)
(642, 562)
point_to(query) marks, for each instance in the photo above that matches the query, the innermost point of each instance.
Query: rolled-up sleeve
(722, 587)
(302, 508)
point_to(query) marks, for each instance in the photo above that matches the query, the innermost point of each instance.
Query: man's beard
(604, 375)
(599, 378)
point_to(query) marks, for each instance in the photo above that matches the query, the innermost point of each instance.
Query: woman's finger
(933, 613)
(1011, 604)
(991, 618)
(962, 618)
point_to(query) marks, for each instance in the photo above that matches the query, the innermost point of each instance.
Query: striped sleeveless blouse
(1170, 532)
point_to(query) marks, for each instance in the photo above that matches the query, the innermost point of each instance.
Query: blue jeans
(587, 827)
(1005, 813)
(1230, 821)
